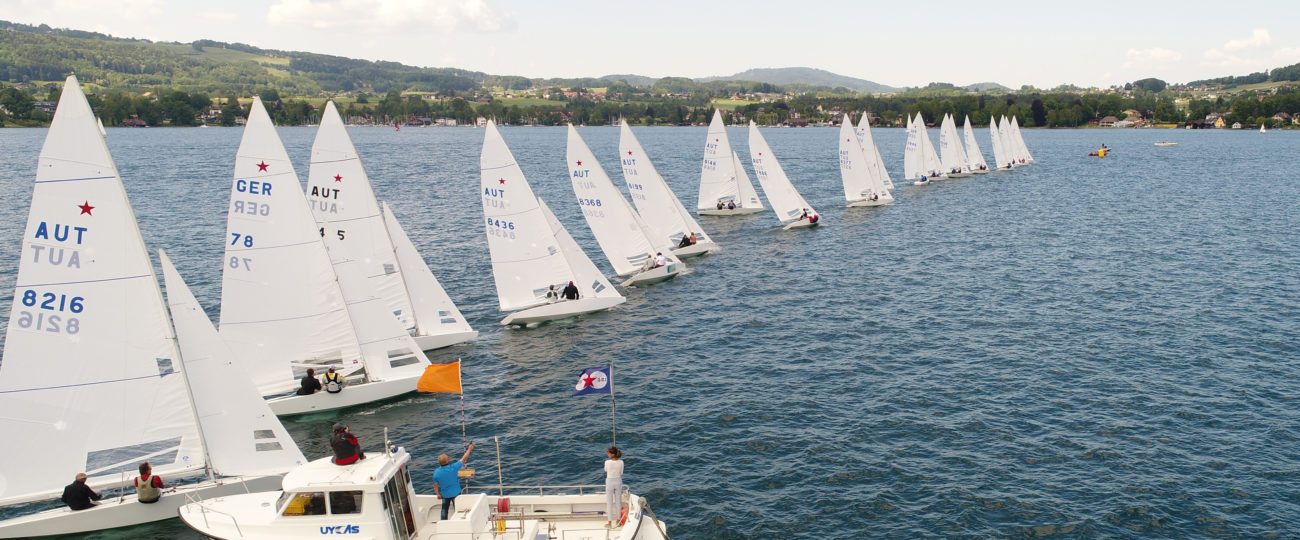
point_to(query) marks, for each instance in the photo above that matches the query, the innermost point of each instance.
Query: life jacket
(345, 449)
(333, 383)
(144, 488)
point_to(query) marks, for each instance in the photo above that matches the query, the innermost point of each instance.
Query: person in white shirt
(660, 260)
(613, 485)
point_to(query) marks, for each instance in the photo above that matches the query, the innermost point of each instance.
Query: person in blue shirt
(446, 482)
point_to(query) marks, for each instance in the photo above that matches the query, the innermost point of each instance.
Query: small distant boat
(1102, 152)
(1166, 143)
(1261, 129)
(974, 157)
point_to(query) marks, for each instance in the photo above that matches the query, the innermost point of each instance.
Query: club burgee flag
(440, 378)
(596, 380)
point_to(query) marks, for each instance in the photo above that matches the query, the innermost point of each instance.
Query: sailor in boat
(693, 240)
(649, 264)
(347, 450)
(731, 205)
(687, 240)
(570, 292)
(613, 484)
(309, 383)
(660, 260)
(333, 382)
(552, 295)
(79, 496)
(148, 486)
(720, 205)
(446, 480)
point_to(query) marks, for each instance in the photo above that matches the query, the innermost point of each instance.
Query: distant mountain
(986, 87)
(635, 80)
(806, 76)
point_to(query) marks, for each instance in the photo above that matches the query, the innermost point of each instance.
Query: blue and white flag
(595, 380)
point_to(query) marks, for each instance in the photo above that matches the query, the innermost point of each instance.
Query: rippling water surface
(1077, 348)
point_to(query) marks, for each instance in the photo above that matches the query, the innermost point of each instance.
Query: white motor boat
(374, 498)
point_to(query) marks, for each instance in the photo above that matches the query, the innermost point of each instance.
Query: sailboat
(861, 186)
(1021, 149)
(871, 152)
(974, 157)
(952, 155)
(920, 162)
(92, 374)
(1000, 153)
(655, 202)
(790, 207)
(285, 307)
(624, 237)
(725, 189)
(1261, 129)
(339, 191)
(532, 253)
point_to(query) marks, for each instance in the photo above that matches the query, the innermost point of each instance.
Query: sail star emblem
(338, 178)
(262, 166)
(629, 152)
(503, 181)
(85, 209)
(579, 163)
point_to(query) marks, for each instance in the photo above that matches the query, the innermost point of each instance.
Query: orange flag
(440, 378)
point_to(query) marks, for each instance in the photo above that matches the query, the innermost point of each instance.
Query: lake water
(1079, 348)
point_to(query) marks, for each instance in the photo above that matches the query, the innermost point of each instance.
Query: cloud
(218, 16)
(1287, 53)
(1155, 55)
(1258, 38)
(382, 16)
(1215, 57)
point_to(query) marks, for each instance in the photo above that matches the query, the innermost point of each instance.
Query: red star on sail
(262, 166)
(85, 209)
(629, 152)
(579, 163)
(588, 381)
(503, 180)
(338, 178)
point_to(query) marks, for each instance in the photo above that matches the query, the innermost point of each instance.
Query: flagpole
(613, 405)
(464, 441)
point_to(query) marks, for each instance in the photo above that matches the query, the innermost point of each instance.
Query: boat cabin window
(345, 502)
(398, 504)
(308, 503)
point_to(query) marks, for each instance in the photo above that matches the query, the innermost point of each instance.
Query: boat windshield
(307, 503)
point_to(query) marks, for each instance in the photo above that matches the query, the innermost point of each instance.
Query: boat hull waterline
(561, 310)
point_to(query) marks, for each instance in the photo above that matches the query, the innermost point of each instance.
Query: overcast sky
(900, 43)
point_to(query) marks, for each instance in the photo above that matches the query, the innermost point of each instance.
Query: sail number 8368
(59, 303)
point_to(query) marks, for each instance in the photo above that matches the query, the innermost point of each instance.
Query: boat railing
(541, 490)
(196, 500)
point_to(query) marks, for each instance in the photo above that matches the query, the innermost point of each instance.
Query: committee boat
(656, 203)
(623, 236)
(790, 207)
(93, 374)
(374, 498)
(861, 185)
(532, 253)
(340, 194)
(725, 189)
(285, 306)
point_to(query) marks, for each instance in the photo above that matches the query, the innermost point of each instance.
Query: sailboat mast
(185, 376)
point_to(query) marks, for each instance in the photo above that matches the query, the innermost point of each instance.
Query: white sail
(90, 379)
(387, 349)
(1020, 140)
(1000, 154)
(280, 301)
(720, 180)
(339, 192)
(618, 229)
(780, 193)
(974, 157)
(952, 155)
(435, 313)
(586, 276)
(527, 258)
(242, 435)
(930, 164)
(871, 151)
(856, 171)
(655, 201)
(912, 152)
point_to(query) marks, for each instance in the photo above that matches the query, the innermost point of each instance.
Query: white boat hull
(800, 224)
(653, 275)
(352, 395)
(438, 341)
(868, 202)
(958, 175)
(561, 310)
(728, 212)
(127, 511)
(695, 250)
(977, 171)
